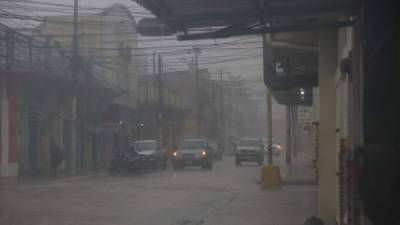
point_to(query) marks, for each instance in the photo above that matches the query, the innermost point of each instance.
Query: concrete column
(4, 127)
(328, 190)
(8, 165)
(74, 136)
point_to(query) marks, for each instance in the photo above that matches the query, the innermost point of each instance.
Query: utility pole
(222, 114)
(225, 117)
(198, 98)
(294, 131)
(160, 100)
(215, 122)
(74, 75)
(230, 113)
(154, 65)
(269, 124)
(288, 155)
(269, 107)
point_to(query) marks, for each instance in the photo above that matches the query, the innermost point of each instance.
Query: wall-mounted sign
(304, 114)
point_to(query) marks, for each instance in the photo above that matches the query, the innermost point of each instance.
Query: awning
(201, 19)
(291, 23)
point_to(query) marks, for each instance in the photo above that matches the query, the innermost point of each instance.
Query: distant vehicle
(249, 150)
(218, 152)
(154, 156)
(193, 152)
(276, 148)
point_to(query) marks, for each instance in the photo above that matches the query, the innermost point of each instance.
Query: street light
(302, 92)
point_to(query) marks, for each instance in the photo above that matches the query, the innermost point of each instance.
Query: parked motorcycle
(126, 162)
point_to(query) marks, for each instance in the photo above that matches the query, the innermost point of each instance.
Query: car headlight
(204, 153)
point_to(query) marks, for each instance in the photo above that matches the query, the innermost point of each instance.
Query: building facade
(88, 117)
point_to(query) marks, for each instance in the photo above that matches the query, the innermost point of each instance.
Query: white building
(109, 41)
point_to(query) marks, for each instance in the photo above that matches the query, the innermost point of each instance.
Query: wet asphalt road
(227, 195)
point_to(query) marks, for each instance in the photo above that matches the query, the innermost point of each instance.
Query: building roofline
(106, 11)
(119, 6)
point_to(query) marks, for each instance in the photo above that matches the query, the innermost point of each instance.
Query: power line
(70, 7)
(24, 17)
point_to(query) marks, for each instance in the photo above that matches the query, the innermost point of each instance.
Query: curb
(74, 178)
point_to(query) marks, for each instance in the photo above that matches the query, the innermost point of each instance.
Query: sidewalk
(44, 179)
(300, 171)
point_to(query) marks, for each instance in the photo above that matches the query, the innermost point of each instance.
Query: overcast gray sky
(247, 57)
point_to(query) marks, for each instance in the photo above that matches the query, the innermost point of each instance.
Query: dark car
(193, 152)
(249, 150)
(126, 162)
(154, 156)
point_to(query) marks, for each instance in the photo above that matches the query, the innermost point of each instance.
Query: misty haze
(214, 112)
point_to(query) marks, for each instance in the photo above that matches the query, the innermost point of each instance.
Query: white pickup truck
(249, 150)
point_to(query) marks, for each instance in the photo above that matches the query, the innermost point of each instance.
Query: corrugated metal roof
(188, 15)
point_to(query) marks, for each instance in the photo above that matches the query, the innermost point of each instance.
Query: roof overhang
(290, 23)
(204, 19)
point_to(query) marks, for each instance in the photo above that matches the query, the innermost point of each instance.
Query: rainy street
(228, 194)
(288, 108)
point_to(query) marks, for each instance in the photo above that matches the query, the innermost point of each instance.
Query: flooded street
(228, 194)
